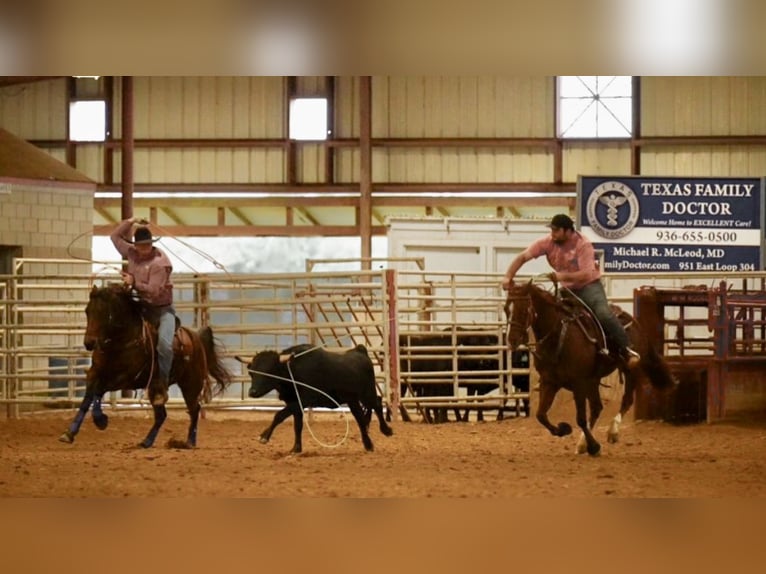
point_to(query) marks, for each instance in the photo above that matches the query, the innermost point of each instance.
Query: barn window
(308, 119)
(87, 120)
(595, 107)
(87, 109)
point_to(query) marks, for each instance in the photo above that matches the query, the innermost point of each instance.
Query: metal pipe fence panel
(42, 323)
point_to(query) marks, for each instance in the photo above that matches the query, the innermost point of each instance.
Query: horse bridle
(523, 327)
(518, 325)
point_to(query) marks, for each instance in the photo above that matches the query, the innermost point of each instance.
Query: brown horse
(570, 353)
(125, 357)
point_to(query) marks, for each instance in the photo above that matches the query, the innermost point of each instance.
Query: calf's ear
(285, 358)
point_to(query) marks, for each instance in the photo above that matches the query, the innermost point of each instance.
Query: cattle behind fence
(42, 323)
(453, 353)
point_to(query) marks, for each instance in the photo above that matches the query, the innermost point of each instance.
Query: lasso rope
(110, 265)
(217, 264)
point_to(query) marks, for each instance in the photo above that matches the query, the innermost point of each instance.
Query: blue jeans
(165, 333)
(594, 297)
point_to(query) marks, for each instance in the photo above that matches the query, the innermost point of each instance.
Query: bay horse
(124, 356)
(570, 353)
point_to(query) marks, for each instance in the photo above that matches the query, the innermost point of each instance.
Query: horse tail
(215, 366)
(657, 369)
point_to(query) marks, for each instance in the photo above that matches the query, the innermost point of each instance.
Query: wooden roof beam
(306, 215)
(238, 213)
(377, 216)
(254, 230)
(105, 214)
(170, 215)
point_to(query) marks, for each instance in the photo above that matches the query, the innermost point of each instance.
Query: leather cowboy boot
(631, 358)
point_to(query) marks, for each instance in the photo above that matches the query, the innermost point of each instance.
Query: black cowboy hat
(143, 235)
(561, 221)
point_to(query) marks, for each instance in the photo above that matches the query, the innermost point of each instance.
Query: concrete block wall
(46, 219)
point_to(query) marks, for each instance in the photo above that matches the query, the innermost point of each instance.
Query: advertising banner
(673, 224)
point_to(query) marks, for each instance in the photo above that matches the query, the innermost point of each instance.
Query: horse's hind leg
(547, 394)
(194, 407)
(613, 434)
(74, 427)
(191, 437)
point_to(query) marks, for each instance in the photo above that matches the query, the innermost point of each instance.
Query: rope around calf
(300, 403)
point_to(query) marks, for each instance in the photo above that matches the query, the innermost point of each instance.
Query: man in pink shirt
(148, 275)
(574, 262)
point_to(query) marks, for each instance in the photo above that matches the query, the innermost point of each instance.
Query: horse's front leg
(158, 396)
(547, 394)
(160, 414)
(596, 406)
(591, 444)
(74, 427)
(100, 418)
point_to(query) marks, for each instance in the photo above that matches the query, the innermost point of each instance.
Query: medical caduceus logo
(612, 209)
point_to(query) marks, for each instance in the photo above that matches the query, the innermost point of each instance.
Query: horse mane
(116, 292)
(563, 300)
(531, 290)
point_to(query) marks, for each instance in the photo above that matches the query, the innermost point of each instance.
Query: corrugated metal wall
(448, 106)
(704, 106)
(402, 107)
(35, 111)
(462, 107)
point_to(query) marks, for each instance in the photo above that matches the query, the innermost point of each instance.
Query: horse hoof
(180, 444)
(594, 450)
(564, 429)
(101, 422)
(145, 444)
(263, 440)
(66, 437)
(612, 438)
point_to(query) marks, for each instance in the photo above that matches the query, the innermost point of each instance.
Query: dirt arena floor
(511, 458)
